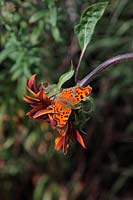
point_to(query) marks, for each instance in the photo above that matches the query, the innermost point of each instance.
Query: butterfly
(59, 111)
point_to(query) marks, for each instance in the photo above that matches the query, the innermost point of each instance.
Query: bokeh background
(37, 36)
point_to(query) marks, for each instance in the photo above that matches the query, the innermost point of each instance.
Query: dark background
(38, 37)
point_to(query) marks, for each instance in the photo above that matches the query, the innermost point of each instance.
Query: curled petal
(31, 85)
(41, 113)
(32, 112)
(30, 100)
(43, 97)
(61, 142)
(54, 111)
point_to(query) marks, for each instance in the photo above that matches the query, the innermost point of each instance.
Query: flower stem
(80, 59)
(92, 75)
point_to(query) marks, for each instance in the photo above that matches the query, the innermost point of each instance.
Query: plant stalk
(80, 59)
(112, 61)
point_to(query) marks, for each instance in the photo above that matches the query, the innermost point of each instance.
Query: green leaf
(8, 143)
(89, 100)
(84, 113)
(65, 77)
(37, 16)
(26, 70)
(88, 21)
(52, 90)
(40, 187)
(56, 34)
(36, 32)
(53, 16)
(5, 53)
(16, 74)
(18, 62)
(20, 87)
(30, 141)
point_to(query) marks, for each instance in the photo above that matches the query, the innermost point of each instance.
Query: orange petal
(42, 112)
(61, 142)
(65, 145)
(80, 139)
(33, 111)
(43, 97)
(63, 130)
(58, 142)
(30, 100)
(52, 121)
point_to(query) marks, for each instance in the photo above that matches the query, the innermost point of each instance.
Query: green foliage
(54, 89)
(83, 115)
(88, 21)
(65, 77)
(25, 32)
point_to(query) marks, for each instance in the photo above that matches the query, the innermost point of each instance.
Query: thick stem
(92, 75)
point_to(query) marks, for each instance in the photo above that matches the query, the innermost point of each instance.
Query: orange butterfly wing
(61, 113)
(66, 100)
(74, 95)
(62, 106)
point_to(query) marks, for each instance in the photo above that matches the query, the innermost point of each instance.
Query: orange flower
(57, 111)
(66, 135)
(39, 99)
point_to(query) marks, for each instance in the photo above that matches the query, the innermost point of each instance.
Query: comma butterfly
(61, 108)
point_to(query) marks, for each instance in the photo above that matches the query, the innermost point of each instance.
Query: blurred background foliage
(37, 36)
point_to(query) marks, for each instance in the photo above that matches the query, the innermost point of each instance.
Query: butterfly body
(61, 108)
(66, 101)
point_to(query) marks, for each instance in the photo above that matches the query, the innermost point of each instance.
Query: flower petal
(43, 97)
(61, 142)
(41, 113)
(58, 142)
(31, 85)
(30, 100)
(62, 130)
(52, 121)
(32, 112)
(80, 139)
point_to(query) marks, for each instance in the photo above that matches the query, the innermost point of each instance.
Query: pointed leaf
(53, 16)
(65, 77)
(88, 21)
(5, 53)
(56, 34)
(37, 16)
(52, 90)
(41, 186)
